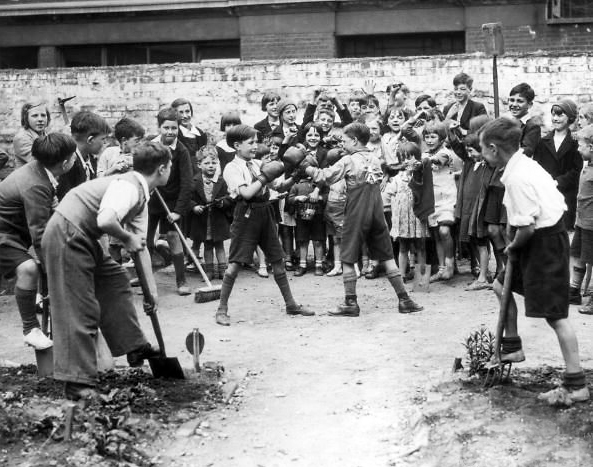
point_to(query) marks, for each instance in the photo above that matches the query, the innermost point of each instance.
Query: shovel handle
(190, 252)
(505, 299)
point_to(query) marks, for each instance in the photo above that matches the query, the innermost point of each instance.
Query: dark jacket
(564, 166)
(177, 191)
(423, 190)
(472, 109)
(531, 135)
(218, 215)
(76, 175)
(263, 129)
(193, 145)
(26, 204)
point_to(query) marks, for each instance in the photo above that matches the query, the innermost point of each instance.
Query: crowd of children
(404, 190)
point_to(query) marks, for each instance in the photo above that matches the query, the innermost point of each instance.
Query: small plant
(480, 349)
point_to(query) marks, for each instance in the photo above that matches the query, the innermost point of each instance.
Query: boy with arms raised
(88, 289)
(538, 250)
(253, 220)
(27, 201)
(364, 220)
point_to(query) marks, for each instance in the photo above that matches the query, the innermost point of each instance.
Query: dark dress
(216, 216)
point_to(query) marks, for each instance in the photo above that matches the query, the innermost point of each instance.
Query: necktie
(254, 174)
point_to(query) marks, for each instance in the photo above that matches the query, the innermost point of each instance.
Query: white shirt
(531, 195)
(236, 174)
(122, 196)
(173, 145)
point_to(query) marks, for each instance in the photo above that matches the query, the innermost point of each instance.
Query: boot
(587, 309)
(407, 305)
(348, 308)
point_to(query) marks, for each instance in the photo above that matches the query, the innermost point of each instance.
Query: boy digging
(539, 251)
(253, 221)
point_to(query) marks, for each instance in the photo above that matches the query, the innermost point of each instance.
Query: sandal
(478, 285)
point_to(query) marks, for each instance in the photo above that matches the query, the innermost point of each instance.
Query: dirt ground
(377, 390)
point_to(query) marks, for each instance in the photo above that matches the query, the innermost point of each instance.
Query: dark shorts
(10, 259)
(495, 212)
(364, 222)
(258, 228)
(334, 218)
(310, 230)
(582, 245)
(541, 274)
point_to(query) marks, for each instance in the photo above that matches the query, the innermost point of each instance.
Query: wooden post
(494, 45)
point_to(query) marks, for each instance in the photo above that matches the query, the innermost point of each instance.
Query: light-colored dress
(404, 223)
(444, 165)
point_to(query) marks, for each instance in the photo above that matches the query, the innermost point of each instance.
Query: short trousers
(541, 273)
(334, 218)
(495, 212)
(254, 224)
(313, 230)
(164, 225)
(582, 245)
(10, 259)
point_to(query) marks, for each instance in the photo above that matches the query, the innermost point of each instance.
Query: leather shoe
(183, 289)
(289, 266)
(300, 271)
(299, 310)
(348, 308)
(318, 271)
(372, 272)
(136, 357)
(513, 357)
(76, 391)
(574, 296)
(223, 318)
(407, 305)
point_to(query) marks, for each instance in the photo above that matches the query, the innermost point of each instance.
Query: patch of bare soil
(119, 428)
(459, 422)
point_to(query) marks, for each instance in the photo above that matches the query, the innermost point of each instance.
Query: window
(18, 57)
(135, 54)
(569, 11)
(401, 44)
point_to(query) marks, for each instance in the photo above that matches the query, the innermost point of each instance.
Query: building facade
(69, 33)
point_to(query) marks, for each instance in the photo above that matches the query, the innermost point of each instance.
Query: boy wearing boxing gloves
(253, 220)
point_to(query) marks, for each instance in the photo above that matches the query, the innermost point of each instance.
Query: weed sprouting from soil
(480, 348)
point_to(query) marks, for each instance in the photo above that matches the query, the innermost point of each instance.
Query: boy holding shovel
(88, 289)
(539, 253)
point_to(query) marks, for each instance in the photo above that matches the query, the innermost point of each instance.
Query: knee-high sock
(25, 300)
(395, 279)
(179, 265)
(228, 281)
(282, 281)
(349, 279)
(578, 274)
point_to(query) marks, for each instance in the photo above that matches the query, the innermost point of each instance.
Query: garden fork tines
(497, 373)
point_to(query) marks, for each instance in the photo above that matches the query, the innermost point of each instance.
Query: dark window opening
(569, 9)
(402, 45)
(18, 57)
(136, 54)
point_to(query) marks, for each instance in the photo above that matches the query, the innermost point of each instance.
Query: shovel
(45, 357)
(163, 366)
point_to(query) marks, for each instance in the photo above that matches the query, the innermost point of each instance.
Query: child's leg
(484, 256)
(448, 250)
(365, 259)
(220, 259)
(568, 343)
(512, 348)
(287, 239)
(178, 262)
(337, 270)
(403, 254)
(209, 259)
(420, 255)
(577, 276)
(25, 292)
(350, 306)
(496, 237)
(263, 267)
(303, 250)
(406, 304)
(318, 250)
(228, 281)
(292, 308)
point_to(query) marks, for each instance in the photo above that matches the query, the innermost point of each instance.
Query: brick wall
(139, 91)
(286, 46)
(553, 38)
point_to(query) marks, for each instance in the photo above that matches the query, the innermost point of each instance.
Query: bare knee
(27, 274)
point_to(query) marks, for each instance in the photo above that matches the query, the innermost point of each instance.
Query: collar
(242, 162)
(173, 145)
(524, 118)
(512, 163)
(52, 179)
(222, 144)
(190, 132)
(144, 184)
